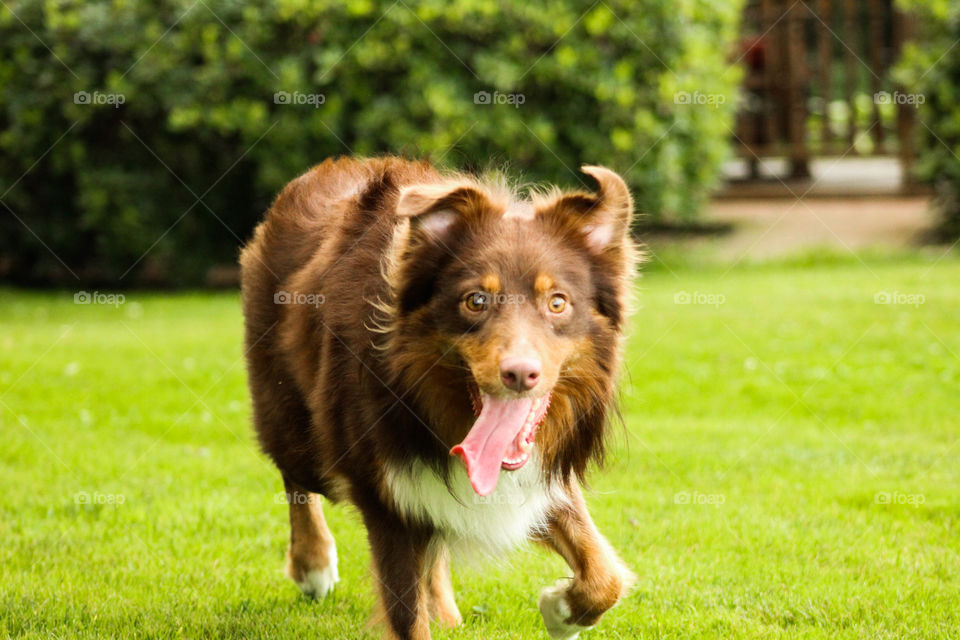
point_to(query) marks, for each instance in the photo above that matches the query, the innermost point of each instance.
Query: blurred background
(142, 141)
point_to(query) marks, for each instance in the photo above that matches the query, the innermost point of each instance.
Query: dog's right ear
(437, 214)
(434, 209)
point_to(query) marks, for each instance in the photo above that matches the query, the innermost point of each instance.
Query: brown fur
(375, 368)
(443, 606)
(310, 539)
(599, 578)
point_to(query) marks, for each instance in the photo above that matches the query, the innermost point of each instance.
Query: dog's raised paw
(556, 610)
(317, 583)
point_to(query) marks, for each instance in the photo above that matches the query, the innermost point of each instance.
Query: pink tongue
(489, 440)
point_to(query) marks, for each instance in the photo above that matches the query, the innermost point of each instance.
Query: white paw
(319, 582)
(555, 610)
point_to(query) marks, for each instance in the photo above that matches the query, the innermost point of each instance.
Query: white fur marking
(493, 523)
(599, 235)
(519, 210)
(555, 610)
(437, 223)
(320, 582)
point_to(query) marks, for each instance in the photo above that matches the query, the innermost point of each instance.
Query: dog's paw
(317, 583)
(556, 610)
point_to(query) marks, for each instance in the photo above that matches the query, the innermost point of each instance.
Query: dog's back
(324, 233)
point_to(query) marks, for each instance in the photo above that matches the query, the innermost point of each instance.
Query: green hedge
(186, 99)
(930, 72)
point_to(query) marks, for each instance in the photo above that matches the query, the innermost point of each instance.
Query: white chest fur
(494, 523)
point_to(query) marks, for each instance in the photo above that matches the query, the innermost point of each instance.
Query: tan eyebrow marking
(491, 283)
(543, 284)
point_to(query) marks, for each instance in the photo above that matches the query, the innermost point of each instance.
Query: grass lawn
(788, 469)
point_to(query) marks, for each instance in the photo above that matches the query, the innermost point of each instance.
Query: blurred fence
(819, 83)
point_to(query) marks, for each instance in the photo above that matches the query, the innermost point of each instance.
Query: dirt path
(768, 228)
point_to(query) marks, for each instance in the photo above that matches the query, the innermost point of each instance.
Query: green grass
(747, 491)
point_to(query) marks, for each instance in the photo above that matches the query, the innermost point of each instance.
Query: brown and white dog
(442, 354)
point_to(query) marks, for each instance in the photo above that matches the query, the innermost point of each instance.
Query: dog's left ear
(602, 217)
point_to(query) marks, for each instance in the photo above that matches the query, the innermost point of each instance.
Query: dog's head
(514, 309)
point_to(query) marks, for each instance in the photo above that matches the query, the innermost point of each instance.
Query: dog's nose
(520, 374)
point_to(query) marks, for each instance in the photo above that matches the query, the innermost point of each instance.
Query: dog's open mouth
(501, 437)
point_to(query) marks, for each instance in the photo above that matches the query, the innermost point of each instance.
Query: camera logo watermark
(698, 297)
(697, 98)
(896, 297)
(885, 97)
(97, 98)
(513, 99)
(895, 497)
(98, 297)
(295, 297)
(715, 500)
(298, 98)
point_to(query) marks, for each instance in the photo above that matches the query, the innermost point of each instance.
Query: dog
(441, 353)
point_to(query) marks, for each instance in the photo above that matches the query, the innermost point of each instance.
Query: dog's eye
(558, 302)
(476, 301)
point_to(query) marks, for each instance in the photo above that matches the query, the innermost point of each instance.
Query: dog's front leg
(400, 556)
(599, 577)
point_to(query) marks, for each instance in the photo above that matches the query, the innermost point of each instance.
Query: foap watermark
(897, 297)
(499, 498)
(297, 497)
(513, 99)
(87, 497)
(296, 297)
(299, 98)
(697, 98)
(895, 497)
(98, 98)
(699, 297)
(99, 297)
(500, 299)
(715, 500)
(897, 97)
